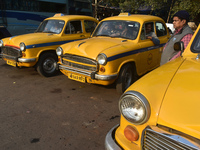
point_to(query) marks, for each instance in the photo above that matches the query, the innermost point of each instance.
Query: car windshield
(196, 44)
(118, 29)
(51, 26)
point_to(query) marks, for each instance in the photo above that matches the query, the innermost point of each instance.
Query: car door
(75, 30)
(163, 36)
(149, 51)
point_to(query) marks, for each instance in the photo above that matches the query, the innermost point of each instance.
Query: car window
(89, 26)
(51, 26)
(73, 27)
(147, 29)
(118, 28)
(160, 29)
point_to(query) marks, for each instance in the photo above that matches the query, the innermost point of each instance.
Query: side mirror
(179, 46)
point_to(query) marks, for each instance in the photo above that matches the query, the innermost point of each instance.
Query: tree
(191, 6)
(164, 9)
(131, 6)
(157, 4)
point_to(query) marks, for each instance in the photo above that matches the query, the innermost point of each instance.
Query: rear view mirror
(179, 46)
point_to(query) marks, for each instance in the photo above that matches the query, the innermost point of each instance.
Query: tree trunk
(172, 2)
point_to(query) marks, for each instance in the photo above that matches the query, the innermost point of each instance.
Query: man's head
(180, 19)
(148, 27)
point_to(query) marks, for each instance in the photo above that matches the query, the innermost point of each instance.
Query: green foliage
(113, 3)
(130, 6)
(170, 7)
(133, 5)
(191, 6)
(156, 4)
(116, 2)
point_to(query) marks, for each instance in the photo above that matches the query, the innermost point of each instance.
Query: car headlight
(22, 46)
(102, 59)
(1, 43)
(59, 51)
(134, 107)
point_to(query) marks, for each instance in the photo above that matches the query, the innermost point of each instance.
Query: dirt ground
(56, 113)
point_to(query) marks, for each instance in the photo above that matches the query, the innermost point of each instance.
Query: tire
(46, 65)
(127, 76)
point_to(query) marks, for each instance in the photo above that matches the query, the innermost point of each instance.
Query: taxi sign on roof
(58, 15)
(124, 14)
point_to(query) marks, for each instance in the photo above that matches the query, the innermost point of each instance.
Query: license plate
(76, 77)
(12, 63)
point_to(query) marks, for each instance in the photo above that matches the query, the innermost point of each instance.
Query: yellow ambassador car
(39, 49)
(117, 51)
(161, 110)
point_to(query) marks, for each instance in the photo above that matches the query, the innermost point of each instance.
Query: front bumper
(110, 143)
(93, 75)
(26, 60)
(17, 59)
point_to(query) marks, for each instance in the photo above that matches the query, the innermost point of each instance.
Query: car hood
(32, 38)
(180, 107)
(93, 46)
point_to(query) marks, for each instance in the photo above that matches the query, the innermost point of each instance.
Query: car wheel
(127, 76)
(47, 65)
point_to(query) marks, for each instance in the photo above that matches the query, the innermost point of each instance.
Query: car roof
(135, 17)
(70, 17)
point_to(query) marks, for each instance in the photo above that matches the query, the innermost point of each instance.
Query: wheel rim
(49, 65)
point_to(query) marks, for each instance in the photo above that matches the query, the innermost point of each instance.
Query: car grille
(155, 141)
(11, 52)
(79, 62)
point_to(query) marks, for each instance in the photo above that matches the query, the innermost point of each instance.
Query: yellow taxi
(161, 110)
(39, 49)
(117, 51)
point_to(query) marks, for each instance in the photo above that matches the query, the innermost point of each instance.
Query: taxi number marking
(76, 77)
(12, 63)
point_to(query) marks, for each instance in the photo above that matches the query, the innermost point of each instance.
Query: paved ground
(55, 113)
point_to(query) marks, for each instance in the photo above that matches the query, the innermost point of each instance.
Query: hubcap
(49, 65)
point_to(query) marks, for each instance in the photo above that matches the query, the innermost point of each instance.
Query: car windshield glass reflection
(119, 29)
(196, 43)
(51, 26)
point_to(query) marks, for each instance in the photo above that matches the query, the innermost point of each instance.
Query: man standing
(182, 33)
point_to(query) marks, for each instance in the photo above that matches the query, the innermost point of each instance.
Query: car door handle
(82, 35)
